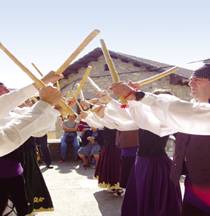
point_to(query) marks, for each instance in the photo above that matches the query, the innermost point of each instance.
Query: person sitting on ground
(70, 136)
(90, 147)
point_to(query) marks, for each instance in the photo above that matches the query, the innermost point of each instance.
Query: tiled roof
(148, 64)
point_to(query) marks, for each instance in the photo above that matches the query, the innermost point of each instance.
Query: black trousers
(190, 210)
(43, 146)
(13, 189)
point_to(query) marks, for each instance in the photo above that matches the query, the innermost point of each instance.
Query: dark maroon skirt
(126, 167)
(150, 192)
(108, 168)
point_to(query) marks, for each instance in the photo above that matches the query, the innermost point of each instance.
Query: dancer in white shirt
(16, 128)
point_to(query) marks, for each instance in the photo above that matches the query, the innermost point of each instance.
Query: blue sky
(47, 31)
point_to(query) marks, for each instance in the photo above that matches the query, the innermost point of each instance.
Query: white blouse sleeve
(35, 122)
(93, 121)
(14, 98)
(118, 118)
(175, 114)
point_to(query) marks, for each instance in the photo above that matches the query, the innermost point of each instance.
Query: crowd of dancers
(127, 144)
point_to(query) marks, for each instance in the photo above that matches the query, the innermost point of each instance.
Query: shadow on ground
(108, 204)
(88, 172)
(68, 167)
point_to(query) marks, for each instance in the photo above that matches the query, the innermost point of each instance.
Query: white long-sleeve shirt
(160, 114)
(121, 119)
(173, 114)
(15, 98)
(117, 118)
(94, 121)
(18, 124)
(114, 118)
(17, 127)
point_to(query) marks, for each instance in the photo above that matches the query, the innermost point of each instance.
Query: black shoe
(119, 192)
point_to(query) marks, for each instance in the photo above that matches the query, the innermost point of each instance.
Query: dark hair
(203, 72)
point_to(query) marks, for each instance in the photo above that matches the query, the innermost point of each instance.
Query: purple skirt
(150, 192)
(108, 167)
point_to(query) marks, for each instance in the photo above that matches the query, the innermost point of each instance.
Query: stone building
(129, 68)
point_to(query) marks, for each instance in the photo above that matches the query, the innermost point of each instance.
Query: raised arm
(182, 116)
(14, 98)
(16, 130)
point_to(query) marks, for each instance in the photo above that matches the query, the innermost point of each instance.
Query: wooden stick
(82, 82)
(82, 98)
(110, 63)
(156, 77)
(38, 83)
(80, 107)
(78, 50)
(81, 95)
(37, 69)
(94, 85)
(68, 94)
(58, 85)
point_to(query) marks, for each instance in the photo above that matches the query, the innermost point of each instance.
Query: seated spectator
(69, 137)
(82, 126)
(90, 147)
